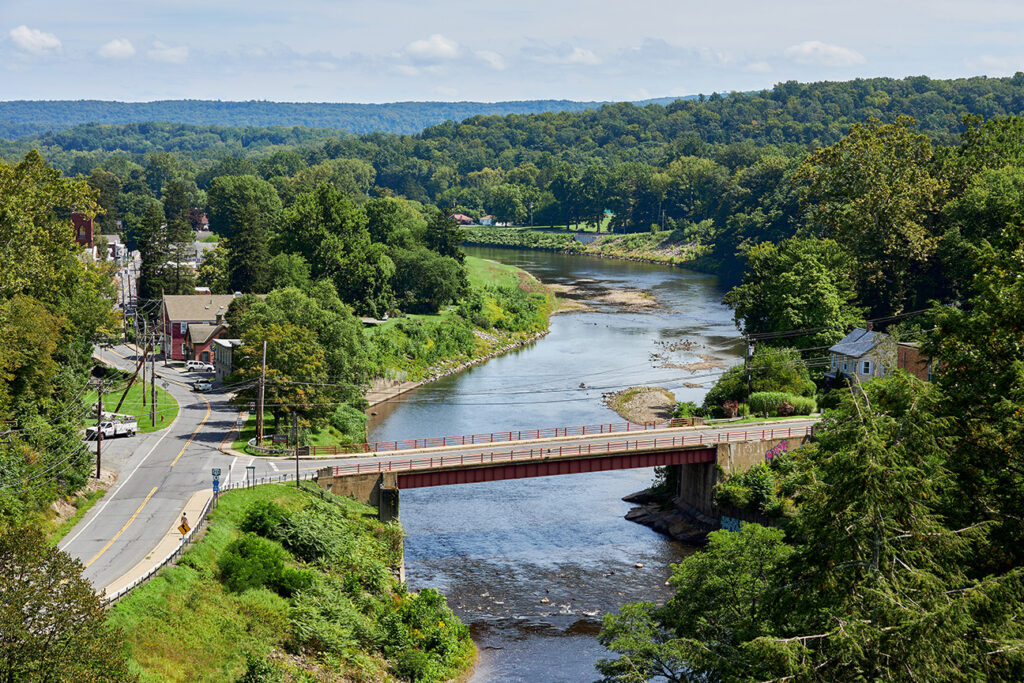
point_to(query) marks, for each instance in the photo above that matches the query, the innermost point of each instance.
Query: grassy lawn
(324, 437)
(166, 406)
(210, 239)
(482, 272)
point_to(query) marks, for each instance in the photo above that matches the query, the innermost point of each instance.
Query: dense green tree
(799, 284)
(873, 191)
(979, 352)
(230, 196)
(443, 237)
(52, 625)
(770, 368)
(296, 371)
(331, 235)
(214, 272)
(425, 281)
(109, 187)
(725, 597)
(287, 270)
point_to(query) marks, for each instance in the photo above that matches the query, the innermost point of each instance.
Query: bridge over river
(701, 451)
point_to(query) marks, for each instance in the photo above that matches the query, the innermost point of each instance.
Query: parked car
(112, 428)
(202, 385)
(198, 366)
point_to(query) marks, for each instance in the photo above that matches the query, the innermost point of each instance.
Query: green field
(166, 405)
(482, 272)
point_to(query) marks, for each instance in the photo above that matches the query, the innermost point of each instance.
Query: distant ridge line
(23, 118)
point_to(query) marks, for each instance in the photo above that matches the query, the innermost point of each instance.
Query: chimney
(870, 326)
(220, 317)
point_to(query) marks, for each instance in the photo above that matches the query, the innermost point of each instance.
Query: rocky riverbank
(642, 404)
(670, 516)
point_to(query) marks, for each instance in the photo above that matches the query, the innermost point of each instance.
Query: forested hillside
(22, 118)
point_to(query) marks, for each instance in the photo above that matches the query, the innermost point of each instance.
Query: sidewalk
(166, 545)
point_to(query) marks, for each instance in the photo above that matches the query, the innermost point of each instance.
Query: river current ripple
(532, 564)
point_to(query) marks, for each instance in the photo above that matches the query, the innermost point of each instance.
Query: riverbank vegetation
(899, 527)
(291, 584)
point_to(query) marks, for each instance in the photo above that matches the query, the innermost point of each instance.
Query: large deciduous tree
(874, 192)
(52, 625)
(799, 284)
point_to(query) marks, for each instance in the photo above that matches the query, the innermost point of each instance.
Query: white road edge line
(120, 485)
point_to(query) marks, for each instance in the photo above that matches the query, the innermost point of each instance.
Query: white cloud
(436, 48)
(493, 59)
(758, 67)
(822, 54)
(33, 40)
(167, 54)
(118, 48)
(582, 56)
(997, 65)
(561, 54)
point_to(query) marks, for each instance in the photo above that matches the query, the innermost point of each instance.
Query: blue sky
(394, 50)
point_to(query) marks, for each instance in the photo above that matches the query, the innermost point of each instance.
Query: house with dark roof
(191, 322)
(864, 354)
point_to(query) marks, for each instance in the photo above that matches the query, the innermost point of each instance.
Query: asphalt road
(158, 472)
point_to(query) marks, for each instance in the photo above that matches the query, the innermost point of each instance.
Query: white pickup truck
(112, 428)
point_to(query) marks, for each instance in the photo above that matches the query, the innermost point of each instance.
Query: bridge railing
(628, 445)
(496, 437)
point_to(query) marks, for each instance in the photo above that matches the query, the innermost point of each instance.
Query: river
(532, 564)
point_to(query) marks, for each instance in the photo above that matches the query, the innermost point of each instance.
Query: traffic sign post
(216, 485)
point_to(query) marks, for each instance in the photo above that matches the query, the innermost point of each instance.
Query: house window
(205, 356)
(835, 362)
(183, 350)
(865, 368)
(183, 327)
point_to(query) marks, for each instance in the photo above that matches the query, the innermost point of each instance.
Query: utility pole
(259, 401)
(145, 342)
(152, 389)
(746, 363)
(99, 425)
(295, 443)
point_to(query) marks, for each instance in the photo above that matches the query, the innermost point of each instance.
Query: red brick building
(910, 358)
(190, 324)
(83, 227)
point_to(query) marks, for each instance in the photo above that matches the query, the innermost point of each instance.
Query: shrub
(687, 409)
(731, 408)
(351, 422)
(263, 518)
(803, 405)
(744, 410)
(413, 665)
(785, 408)
(259, 671)
(766, 402)
(251, 562)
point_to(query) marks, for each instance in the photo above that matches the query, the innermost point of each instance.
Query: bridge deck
(604, 451)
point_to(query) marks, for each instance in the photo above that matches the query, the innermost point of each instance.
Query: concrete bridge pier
(378, 489)
(695, 483)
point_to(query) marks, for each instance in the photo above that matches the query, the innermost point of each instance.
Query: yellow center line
(195, 433)
(126, 525)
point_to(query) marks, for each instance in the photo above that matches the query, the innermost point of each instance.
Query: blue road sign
(216, 485)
